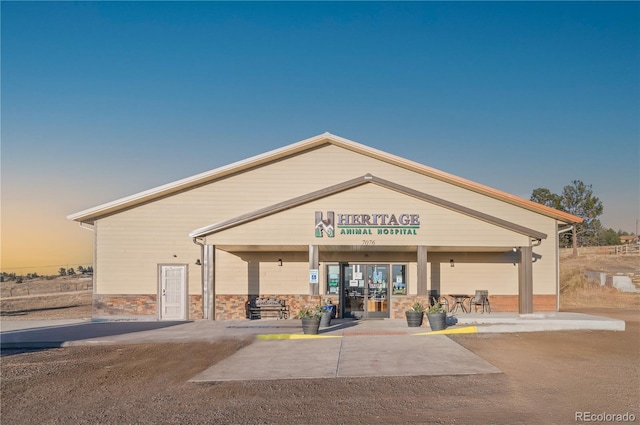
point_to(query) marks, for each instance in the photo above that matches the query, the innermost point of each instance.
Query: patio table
(458, 301)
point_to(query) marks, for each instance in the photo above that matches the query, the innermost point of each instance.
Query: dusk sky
(101, 100)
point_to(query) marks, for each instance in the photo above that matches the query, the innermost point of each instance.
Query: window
(397, 284)
(333, 279)
(399, 280)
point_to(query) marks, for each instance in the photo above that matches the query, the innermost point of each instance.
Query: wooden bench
(258, 308)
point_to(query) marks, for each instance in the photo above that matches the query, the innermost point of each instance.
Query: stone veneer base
(144, 307)
(235, 306)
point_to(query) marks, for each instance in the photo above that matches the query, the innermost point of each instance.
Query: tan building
(629, 240)
(322, 218)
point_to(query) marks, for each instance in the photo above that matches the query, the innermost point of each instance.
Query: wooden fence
(44, 286)
(603, 250)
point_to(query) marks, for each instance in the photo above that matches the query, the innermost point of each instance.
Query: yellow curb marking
(294, 336)
(466, 330)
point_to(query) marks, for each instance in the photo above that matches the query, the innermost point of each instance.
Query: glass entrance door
(377, 292)
(353, 290)
(365, 290)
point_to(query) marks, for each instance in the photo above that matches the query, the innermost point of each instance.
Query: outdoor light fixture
(280, 262)
(198, 263)
(451, 263)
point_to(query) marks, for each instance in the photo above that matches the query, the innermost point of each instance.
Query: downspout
(203, 289)
(560, 231)
(566, 229)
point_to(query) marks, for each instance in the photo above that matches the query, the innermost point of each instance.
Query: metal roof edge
(197, 178)
(459, 181)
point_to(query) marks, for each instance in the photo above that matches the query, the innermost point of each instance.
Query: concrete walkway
(349, 356)
(348, 348)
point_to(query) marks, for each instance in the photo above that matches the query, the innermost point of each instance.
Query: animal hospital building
(323, 219)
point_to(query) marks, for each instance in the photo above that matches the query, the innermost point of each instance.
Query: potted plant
(437, 316)
(311, 319)
(414, 315)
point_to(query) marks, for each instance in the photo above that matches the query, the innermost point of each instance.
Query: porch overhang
(203, 232)
(361, 248)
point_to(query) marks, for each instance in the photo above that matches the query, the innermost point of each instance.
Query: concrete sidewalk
(61, 333)
(348, 348)
(537, 322)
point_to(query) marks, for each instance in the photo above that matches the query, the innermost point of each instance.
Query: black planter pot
(310, 326)
(326, 319)
(414, 318)
(437, 321)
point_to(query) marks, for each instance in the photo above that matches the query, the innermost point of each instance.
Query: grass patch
(577, 290)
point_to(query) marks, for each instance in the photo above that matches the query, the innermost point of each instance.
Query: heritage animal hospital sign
(366, 224)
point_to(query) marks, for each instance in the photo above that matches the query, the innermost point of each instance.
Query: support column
(314, 288)
(422, 271)
(208, 281)
(525, 281)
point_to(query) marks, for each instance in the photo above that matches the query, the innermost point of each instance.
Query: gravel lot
(548, 376)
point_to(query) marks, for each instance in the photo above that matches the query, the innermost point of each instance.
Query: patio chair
(444, 302)
(480, 299)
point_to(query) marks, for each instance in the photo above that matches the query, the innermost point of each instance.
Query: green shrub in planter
(311, 319)
(437, 316)
(414, 315)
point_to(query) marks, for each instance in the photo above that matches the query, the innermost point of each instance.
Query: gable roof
(92, 214)
(359, 181)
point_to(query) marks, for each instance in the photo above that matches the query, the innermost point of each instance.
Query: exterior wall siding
(259, 272)
(496, 272)
(130, 244)
(439, 226)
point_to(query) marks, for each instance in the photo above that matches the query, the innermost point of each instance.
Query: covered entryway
(172, 292)
(353, 256)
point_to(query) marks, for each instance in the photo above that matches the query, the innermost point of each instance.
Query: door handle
(164, 292)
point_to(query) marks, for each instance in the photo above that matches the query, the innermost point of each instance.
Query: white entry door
(173, 292)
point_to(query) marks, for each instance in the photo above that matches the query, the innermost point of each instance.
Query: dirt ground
(84, 311)
(547, 377)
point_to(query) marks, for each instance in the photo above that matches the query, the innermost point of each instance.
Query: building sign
(366, 224)
(325, 225)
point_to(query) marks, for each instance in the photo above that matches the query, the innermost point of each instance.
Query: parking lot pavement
(52, 334)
